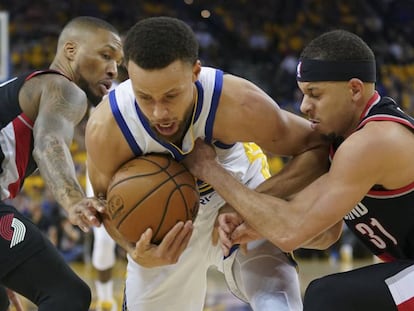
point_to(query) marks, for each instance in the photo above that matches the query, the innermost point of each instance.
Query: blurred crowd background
(256, 39)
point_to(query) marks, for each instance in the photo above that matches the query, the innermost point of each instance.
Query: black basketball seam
(143, 158)
(178, 188)
(130, 177)
(148, 194)
(169, 178)
(163, 216)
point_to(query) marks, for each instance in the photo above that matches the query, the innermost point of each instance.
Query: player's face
(96, 63)
(329, 107)
(166, 96)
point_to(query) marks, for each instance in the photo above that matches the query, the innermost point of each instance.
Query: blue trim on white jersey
(175, 154)
(122, 124)
(222, 145)
(218, 84)
(200, 99)
(175, 151)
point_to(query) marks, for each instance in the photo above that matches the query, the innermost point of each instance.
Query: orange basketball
(152, 191)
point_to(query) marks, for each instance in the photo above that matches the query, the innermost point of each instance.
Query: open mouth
(105, 86)
(314, 123)
(166, 129)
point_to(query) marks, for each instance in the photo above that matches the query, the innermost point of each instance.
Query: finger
(145, 241)
(230, 217)
(238, 233)
(225, 239)
(100, 205)
(170, 237)
(84, 228)
(91, 216)
(184, 237)
(227, 227)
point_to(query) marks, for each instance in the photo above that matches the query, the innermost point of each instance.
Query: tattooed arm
(62, 105)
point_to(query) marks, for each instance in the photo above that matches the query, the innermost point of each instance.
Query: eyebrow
(110, 46)
(165, 93)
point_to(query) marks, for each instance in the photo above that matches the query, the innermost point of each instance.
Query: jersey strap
(123, 125)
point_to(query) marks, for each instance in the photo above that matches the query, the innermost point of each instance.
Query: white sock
(104, 291)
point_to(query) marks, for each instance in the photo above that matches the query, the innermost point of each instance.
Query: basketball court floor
(218, 297)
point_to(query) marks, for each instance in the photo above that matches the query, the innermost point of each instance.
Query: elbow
(287, 243)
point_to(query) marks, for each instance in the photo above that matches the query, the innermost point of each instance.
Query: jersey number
(368, 229)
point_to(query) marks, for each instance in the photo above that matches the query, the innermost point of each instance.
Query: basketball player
(39, 111)
(104, 247)
(103, 260)
(169, 101)
(370, 183)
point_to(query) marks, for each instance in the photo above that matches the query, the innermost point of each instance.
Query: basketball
(152, 191)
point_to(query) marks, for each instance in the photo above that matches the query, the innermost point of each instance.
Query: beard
(333, 138)
(93, 99)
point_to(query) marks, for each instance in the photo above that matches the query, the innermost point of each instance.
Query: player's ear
(70, 49)
(196, 70)
(356, 88)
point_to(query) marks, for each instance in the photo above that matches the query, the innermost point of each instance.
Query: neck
(63, 67)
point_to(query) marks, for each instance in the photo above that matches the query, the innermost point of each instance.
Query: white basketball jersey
(143, 140)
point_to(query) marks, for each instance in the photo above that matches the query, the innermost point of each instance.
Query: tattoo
(62, 106)
(56, 166)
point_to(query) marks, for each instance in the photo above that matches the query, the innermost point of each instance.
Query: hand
(167, 252)
(85, 213)
(233, 230)
(200, 158)
(227, 222)
(244, 234)
(14, 299)
(226, 208)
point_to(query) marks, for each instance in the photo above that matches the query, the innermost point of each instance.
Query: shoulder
(375, 148)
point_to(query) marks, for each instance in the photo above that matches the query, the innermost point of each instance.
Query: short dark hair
(92, 23)
(338, 45)
(156, 42)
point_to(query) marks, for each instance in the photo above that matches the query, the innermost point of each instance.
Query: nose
(305, 105)
(112, 69)
(160, 111)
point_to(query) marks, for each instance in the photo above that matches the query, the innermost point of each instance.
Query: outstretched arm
(62, 106)
(315, 209)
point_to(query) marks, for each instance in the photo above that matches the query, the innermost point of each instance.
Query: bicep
(106, 149)
(333, 195)
(247, 114)
(62, 106)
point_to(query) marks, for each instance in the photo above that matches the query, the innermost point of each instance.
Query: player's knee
(82, 293)
(76, 296)
(320, 296)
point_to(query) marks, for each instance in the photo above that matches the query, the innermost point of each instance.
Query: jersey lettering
(369, 230)
(358, 211)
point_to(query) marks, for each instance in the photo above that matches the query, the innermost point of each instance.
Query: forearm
(260, 211)
(299, 172)
(56, 167)
(326, 238)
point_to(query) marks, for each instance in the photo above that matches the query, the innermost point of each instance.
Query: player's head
(161, 55)
(156, 42)
(88, 51)
(336, 72)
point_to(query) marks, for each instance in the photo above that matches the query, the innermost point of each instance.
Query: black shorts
(360, 289)
(19, 238)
